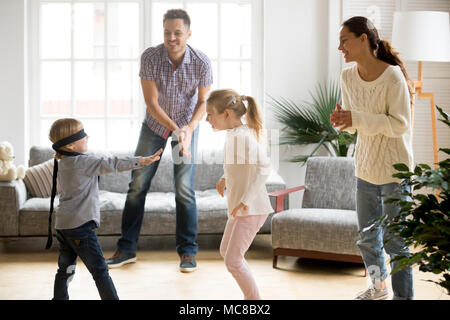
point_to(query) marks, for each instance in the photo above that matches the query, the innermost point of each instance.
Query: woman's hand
(341, 118)
(220, 186)
(145, 161)
(239, 207)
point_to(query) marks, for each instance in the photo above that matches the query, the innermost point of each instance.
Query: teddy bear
(8, 170)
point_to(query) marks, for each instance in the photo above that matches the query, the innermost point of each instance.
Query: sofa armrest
(280, 194)
(275, 182)
(12, 196)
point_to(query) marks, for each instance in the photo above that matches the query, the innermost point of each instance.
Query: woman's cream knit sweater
(382, 115)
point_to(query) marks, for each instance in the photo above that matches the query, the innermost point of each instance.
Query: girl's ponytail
(241, 105)
(253, 117)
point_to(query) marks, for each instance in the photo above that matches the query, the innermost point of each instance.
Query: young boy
(78, 213)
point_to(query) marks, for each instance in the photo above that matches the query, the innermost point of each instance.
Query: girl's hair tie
(244, 101)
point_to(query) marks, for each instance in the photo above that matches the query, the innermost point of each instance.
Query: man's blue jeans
(186, 207)
(82, 242)
(370, 206)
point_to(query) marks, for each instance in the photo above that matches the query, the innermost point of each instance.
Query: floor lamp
(422, 36)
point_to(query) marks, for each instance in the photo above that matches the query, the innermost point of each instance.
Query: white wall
(296, 60)
(13, 111)
(295, 44)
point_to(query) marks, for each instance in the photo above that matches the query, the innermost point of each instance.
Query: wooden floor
(27, 272)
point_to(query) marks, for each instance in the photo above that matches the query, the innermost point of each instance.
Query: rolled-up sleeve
(206, 75)
(146, 71)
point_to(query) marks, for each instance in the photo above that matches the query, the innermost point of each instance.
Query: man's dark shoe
(120, 258)
(188, 263)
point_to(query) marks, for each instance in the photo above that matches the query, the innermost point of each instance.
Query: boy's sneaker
(120, 258)
(373, 294)
(188, 263)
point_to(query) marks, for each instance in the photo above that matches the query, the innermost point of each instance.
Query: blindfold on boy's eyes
(67, 140)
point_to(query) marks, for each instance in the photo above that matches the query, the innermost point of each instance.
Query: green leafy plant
(424, 219)
(309, 122)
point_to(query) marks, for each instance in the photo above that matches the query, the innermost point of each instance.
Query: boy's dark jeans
(82, 242)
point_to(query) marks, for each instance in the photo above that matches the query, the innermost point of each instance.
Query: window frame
(34, 59)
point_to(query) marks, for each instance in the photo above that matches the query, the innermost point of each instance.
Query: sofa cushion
(330, 183)
(159, 217)
(118, 182)
(206, 174)
(324, 230)
(34, 213)
(39, 155)
(39, 179)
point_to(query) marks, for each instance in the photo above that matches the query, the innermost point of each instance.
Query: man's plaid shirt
(177, 89)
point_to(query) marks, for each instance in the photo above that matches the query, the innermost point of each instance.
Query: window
(85, 61)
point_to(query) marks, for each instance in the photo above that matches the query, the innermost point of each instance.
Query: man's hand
(184, 140)
(145, 161)
(197, 116)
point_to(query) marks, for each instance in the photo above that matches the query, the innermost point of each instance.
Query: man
(175, 80)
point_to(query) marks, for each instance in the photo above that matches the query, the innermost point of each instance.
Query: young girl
(376, 101)
(246, 168)
(78, 213)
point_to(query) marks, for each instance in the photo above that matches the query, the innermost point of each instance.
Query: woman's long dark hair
(383, 49)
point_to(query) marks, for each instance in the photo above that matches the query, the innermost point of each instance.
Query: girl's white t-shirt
(246, 169)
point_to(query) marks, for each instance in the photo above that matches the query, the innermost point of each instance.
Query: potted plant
(309, 122)
(424, 219)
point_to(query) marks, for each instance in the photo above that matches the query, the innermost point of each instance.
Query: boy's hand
(145, 161)
(239, 207)
(220, 186)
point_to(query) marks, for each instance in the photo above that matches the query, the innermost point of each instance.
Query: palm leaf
(301, 125)
(309, 122)
(444, 115)
(294, 116)
(324, 102)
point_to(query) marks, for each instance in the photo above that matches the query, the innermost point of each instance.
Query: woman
(376, 102)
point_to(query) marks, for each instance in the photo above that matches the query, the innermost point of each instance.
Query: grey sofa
(326, 226)
(21, 215)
